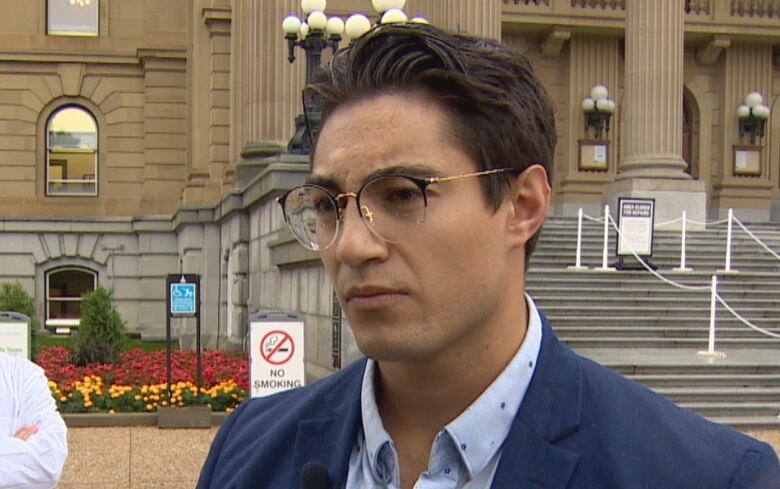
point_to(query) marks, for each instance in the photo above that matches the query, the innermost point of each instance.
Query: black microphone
(314, 475)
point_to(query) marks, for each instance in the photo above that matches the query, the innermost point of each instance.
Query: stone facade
(193, 97)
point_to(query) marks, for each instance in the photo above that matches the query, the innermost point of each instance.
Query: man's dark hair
(500, 114)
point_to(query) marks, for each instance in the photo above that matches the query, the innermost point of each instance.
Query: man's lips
(372, 296)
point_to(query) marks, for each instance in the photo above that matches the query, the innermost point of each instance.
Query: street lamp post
(315, 33)
(598, 110)
(752, 116)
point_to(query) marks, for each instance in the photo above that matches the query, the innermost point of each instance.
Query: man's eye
(403, 196)
(322, 205)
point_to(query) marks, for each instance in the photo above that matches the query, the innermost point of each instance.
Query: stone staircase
(651, 331)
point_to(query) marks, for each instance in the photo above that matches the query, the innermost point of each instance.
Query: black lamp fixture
(598, 110)
(317, 32)
(752, 116)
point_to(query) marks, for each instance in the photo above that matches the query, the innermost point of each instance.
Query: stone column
(476, 17)
(652, 108)
(651, 163)
(270, 88)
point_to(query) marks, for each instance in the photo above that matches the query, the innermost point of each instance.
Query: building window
(64, 288)
(72, 17)
(71, 159)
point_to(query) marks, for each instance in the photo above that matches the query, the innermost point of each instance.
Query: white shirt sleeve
(36, 463)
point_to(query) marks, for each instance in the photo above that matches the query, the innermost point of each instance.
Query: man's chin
(383, 350)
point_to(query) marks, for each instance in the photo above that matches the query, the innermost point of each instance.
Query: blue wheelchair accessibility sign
(183, 298)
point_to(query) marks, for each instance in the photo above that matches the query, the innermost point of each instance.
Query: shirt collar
(481, 429)
(377, 439)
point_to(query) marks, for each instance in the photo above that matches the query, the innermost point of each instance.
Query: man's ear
(530, 200)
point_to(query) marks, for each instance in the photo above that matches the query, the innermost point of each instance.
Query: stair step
(686, 343)
(583, 331)
(747, 395)
(706, 380)
(724, 409)
(748, 423)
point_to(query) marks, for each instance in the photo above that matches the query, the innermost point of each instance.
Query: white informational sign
(741, 162)
(635, 221)
(14, 339)
(276, 354)
(600, 154)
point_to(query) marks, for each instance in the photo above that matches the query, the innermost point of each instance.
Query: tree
(99, 339)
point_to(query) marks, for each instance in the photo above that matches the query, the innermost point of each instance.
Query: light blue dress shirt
(466, 452)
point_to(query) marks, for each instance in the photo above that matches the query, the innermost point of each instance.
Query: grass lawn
(128, 343)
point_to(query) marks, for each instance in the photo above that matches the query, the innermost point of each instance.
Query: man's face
(430, 292)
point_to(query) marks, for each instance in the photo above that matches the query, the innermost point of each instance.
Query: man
(430, 183)
(33, 446)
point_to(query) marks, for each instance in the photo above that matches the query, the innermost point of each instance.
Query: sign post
(636, 219)
(335, 337)
(276, 347)
(15, 334)
(183, 300)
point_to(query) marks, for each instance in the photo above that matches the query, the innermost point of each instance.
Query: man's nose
(356, 243)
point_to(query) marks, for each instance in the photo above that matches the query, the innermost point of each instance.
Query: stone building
(140, 138)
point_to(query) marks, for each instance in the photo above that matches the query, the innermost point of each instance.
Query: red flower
(137, 367)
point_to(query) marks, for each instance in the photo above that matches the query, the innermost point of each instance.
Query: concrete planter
(184, 417)
(105, 420)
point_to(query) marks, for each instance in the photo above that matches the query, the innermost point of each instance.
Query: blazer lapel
(329, 434)
(550, 412)
(530, 461)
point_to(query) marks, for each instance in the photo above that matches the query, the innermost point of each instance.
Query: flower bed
(138, 382)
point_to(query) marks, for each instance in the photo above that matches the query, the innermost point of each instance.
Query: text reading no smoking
(277, 347)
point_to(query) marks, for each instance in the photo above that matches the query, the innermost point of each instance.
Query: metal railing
(715, 297)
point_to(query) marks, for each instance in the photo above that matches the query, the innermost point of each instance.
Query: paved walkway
(134, 458)
(150, 458)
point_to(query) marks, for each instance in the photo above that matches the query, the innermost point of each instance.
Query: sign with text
(275, 352)
(636, 218)
(182, 299)
(15, 335)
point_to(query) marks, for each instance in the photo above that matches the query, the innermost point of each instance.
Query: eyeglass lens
(391, 207)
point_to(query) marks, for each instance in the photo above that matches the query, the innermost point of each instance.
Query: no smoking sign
(276, 352)
(277, 347)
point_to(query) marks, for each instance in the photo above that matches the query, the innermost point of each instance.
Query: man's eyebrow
(410, 169)
(322, 181)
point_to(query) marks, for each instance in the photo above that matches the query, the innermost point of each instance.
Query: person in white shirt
(33, 444)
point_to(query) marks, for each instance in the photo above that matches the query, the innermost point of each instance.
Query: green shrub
(14, 298)
(101, 331)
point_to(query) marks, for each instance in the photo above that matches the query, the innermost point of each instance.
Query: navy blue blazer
(579, 426)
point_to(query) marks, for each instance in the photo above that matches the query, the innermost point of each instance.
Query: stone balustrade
(756, 8)
(744, 18)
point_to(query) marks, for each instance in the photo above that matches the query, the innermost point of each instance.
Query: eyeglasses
(391, 206)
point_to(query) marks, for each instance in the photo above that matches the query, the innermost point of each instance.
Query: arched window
(71, 152)
(64, 288)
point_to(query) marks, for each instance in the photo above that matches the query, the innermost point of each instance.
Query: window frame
(96, 34)
(62, 323)
(64, 149)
